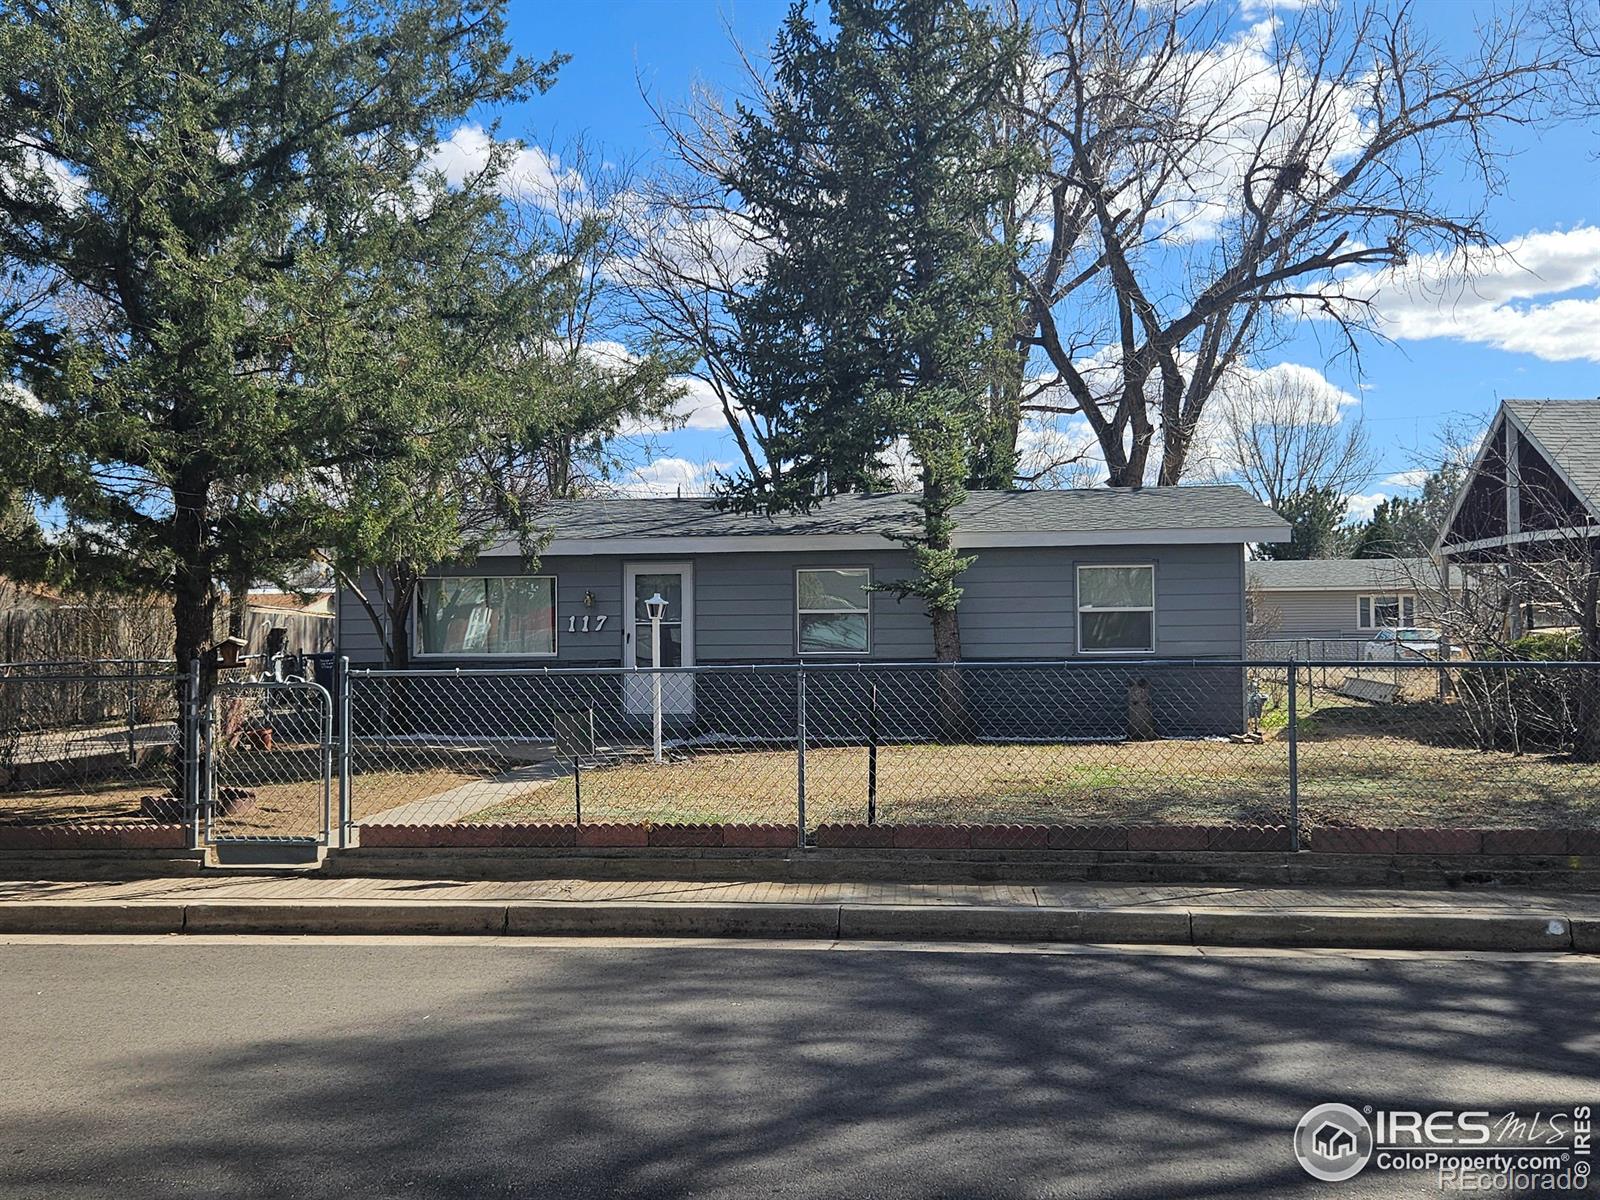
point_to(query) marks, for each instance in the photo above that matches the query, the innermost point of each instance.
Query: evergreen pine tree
(883, 306)
(199, 198)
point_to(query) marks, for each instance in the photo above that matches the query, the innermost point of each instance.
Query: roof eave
(772, 543)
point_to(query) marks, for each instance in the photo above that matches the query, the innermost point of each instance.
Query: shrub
(1526, 708)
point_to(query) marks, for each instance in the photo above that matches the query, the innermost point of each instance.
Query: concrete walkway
(471, 797)
(1220, 916)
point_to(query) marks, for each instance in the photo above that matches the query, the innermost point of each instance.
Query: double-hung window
(1117, 609)
(488, 615)
(833, 610)
(1385, 612)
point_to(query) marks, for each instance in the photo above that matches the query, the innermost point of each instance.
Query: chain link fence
(1324, 749)
(908, 744)
(88, 742)
(1348, 744)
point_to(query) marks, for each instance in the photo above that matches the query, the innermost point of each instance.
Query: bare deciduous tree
(1282, 436)
(606, 396)
(693, 250)
(1204, 185)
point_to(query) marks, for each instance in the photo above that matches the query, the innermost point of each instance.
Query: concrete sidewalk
(1202, 916)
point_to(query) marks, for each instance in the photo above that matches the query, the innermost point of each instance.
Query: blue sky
(1531, 329)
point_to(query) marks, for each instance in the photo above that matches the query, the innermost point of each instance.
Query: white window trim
(1077, 600)
(815, 612)
(416, 620)
(632, 624)
(1401, 599)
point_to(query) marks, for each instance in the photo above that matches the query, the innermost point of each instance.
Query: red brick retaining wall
(1323, 839)
(1326, 840)
(93, 837)
(641, 834)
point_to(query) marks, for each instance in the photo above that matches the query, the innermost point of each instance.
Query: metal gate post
(326, 767)
(800, 757)
(208, 770)
(191, 754)
(342, 682)
(1294, 758)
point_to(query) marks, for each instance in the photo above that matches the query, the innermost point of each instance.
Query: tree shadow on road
(483, 1071)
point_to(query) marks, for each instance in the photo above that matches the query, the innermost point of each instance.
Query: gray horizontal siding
(1017, 603)
(1328, 614)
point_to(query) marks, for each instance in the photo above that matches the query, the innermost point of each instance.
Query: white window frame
(416, 619)
(1077, 600)
(822, 612)
(635, 626)
(1403, 601)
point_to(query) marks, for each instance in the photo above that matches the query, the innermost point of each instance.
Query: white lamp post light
(656, 608)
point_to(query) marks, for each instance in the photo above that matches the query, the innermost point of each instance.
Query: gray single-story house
(1338, 599)
(1086, 575)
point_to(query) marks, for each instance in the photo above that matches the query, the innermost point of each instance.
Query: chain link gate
(268, 761)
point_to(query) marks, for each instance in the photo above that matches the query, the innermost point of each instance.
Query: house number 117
(573, 626)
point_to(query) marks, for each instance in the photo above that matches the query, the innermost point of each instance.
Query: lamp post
(656, 608)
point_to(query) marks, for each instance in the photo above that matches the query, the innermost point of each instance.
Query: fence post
(1294, 757)
(133, 745)
(192, 799)
(872, 760)
(800, 756)
(342, 686)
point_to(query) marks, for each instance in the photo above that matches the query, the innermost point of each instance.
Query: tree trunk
(193, 601)
(402, 694)
(1174, 456)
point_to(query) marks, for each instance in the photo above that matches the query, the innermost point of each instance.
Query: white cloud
(670, 477)
(1505, 298)
(1406, 479)
(532, 174)
(12, 392)
(1256, 8)
(699, 408)
(1250, 98)
(1363, 506)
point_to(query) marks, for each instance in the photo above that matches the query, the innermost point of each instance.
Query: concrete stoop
(1522, 931)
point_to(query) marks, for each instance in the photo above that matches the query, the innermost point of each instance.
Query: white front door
(675, 583)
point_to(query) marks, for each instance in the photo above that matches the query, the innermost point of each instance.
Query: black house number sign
(586, 623)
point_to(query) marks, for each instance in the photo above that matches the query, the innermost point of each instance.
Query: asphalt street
(302, 1067)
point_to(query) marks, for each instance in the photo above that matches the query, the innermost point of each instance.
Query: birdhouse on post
(228, 654)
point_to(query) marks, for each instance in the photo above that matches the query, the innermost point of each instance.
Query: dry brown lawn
(1357, 766)
(288, 803)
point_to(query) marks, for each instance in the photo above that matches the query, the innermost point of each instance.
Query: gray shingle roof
(1342, 574)
(1102, 510)
(1569, 433)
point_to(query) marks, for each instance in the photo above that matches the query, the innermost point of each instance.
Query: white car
(1402, 642)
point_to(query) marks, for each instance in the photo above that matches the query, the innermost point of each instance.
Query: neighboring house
(1338, 599)
(306, 622)
(1102, 573)
(1531, 499)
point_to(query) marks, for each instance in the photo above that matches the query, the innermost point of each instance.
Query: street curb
(66, 917)
(889, 922)
(409, 917)
(1384, 931)
(1586, 935)
(606, 919)
(1306, 929)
